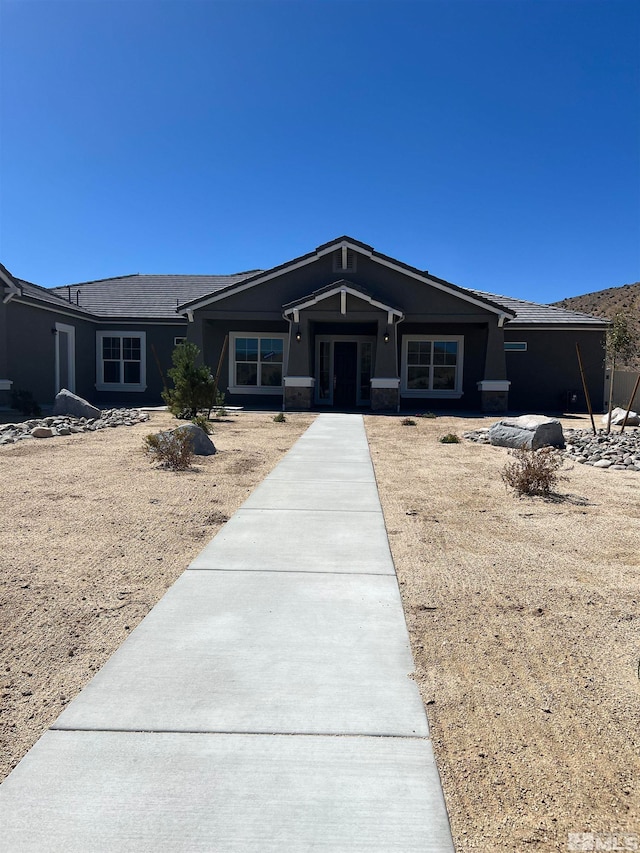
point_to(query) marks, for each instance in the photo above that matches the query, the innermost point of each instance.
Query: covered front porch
(342, 350)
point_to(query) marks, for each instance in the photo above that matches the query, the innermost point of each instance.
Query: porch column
(385, 382)
(298, 382)
(494, 388)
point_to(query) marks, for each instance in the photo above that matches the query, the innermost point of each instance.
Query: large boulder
(67, 403)
(202, 444)
(617, 418)
(528, 431)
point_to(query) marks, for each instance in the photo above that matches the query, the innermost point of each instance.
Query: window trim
(101, 385)
(451, 394)
(232, 388)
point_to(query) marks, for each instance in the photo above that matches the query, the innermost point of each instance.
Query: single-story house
(343, 326)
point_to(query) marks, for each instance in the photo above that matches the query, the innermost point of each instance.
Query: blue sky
(496, 144)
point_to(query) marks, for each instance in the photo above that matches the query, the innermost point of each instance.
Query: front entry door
(345, 374)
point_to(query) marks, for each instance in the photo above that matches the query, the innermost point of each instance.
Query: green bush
(280, 418)
(203, 422)
(449, 438)
(533, 472)
(430, 415)
(173, 450)
(23, 402)
(194, 387)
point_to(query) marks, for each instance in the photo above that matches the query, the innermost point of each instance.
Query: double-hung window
(256, 364)
(432, 366)
(121, 361)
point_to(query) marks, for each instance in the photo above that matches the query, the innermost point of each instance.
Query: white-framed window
(515, 346)
(432, 365)
(256, 363)
(121, 361)
(179, 340)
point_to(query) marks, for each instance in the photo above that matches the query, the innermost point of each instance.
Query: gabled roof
(534, 314)
(37, 293)
(8, 284)
(341, 286)
(348, 242)
(153, 297)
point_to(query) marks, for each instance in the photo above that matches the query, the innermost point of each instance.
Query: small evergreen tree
(620, 346)
(194, 386)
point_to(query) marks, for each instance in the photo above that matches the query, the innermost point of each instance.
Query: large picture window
(121, 361)
(432, 366)
(256, 364)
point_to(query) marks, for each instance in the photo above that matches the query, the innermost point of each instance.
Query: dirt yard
(525, 625)
(523, 613)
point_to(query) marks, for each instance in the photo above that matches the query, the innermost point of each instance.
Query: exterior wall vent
(344, 260)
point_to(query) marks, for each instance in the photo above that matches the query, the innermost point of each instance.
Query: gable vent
(344, 260)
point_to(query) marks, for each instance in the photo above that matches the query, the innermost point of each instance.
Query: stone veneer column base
(494, 401)
(384, 399)
(298, 398)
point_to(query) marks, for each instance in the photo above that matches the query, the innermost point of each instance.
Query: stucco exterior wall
(31, 345)
(542, 376)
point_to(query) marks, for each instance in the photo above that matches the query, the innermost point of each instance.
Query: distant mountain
(607, 303)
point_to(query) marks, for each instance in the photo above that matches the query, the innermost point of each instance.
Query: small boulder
(617, 418)
(202, 444)
(528, 431)
(67, 403)
(42, 432)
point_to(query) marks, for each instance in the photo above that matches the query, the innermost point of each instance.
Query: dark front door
(345, 374)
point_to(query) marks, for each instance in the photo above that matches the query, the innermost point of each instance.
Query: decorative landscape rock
(62, 425)
(613, 452)
(529, 431)
(202, 444)
(67, 403)
(42, 432)
(617, 418)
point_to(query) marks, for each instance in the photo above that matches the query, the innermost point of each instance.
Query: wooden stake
(635, 388)
(586, 390)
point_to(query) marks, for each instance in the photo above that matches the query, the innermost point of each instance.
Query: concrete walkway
(264, 704)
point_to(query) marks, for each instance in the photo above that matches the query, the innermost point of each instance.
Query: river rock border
(614, 451)
(56, 425)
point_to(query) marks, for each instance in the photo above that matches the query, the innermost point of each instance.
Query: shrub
(533, 472)
(280, 418)
(408, 422)
(23, 401)
(203, 422)
(194, 386)
(173, 450)
(449, 438)
(430, 415)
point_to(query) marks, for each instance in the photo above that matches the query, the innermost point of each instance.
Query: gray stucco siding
(31, 347)
(385, 285)
(542, 376)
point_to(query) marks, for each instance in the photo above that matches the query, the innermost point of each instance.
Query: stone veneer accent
(384, 399)
(494, 401)
(298, 398)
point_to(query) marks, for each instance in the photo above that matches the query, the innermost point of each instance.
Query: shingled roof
(534, 314)
(148, 297)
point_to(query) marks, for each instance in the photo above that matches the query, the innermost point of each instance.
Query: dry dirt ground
(91, 536)
(525, 627)
(523, 613)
